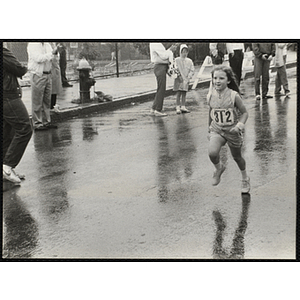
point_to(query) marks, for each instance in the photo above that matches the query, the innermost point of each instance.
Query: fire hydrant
(85, 81)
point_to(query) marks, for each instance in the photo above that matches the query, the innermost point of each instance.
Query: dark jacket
(263, 48)
(218, 60)
(12, 69)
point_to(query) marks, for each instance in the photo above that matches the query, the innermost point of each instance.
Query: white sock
(244, 174)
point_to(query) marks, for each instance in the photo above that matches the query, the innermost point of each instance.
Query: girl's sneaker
(178, 111)
(246, 186)
(217, 175)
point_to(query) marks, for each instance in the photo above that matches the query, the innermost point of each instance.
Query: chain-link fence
(108, 59)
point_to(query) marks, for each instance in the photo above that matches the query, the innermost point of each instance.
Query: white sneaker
(217, 175)
(178, 111)
(152, 111)
(246, 186)
(56, 108)
(159, 114)
(184, 110)
(10, 175)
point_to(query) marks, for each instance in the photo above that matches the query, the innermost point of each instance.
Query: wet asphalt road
(124, 184)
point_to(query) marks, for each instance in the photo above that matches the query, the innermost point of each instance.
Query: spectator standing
(236, 57)
(17, 129)
(186, 69)
(217, 52)
(39, 64)
(56, 79)
(281, 76)
(63, 64)
(161, 59)
(263, 54)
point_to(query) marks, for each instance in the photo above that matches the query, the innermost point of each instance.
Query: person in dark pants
(263, 55)
(161, 59)
(63, 64)
(217, 52)
(17, 129)
(236, 57)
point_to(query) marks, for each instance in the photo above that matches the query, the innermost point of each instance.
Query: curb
(90, 108)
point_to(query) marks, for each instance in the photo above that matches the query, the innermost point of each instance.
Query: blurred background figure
(56, 79)
(40, 57)
(63, 64)
(281, 76)
(236, 57)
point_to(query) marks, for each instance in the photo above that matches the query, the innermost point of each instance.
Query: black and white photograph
(127, 149)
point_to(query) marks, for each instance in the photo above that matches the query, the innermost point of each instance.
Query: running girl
(224, 125)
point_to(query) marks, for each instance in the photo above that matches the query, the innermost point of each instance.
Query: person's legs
(63, 67)
(216, 141)
(265, 77)
(237, 156)
(277, 83)
(47, 100)
(183, 98)
(15, 115)
(257, 74)
(160, 72)
(53, 100)
(236, 62)
(183, 108)
(178, 96)
(283, 79)
(37, 92)
(7, 135)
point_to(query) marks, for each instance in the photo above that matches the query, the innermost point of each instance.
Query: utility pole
(117, 59)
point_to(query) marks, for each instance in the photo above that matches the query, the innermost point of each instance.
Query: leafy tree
(143, 48)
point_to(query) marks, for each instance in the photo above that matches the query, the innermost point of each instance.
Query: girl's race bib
(222, 116)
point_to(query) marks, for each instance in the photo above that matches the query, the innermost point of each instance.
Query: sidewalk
(125, 90)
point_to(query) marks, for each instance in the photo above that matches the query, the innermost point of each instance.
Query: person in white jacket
(162, 58)
(39, 64)
(281, 76)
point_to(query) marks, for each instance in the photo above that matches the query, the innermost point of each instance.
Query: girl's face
(220, 80)
(184, 52)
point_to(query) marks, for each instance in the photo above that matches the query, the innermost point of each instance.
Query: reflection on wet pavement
(238, 244)
(21, 230)
(175, 154)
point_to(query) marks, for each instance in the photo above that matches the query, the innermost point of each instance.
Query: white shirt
(234, 46)
(39, 58)
(159, 54)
